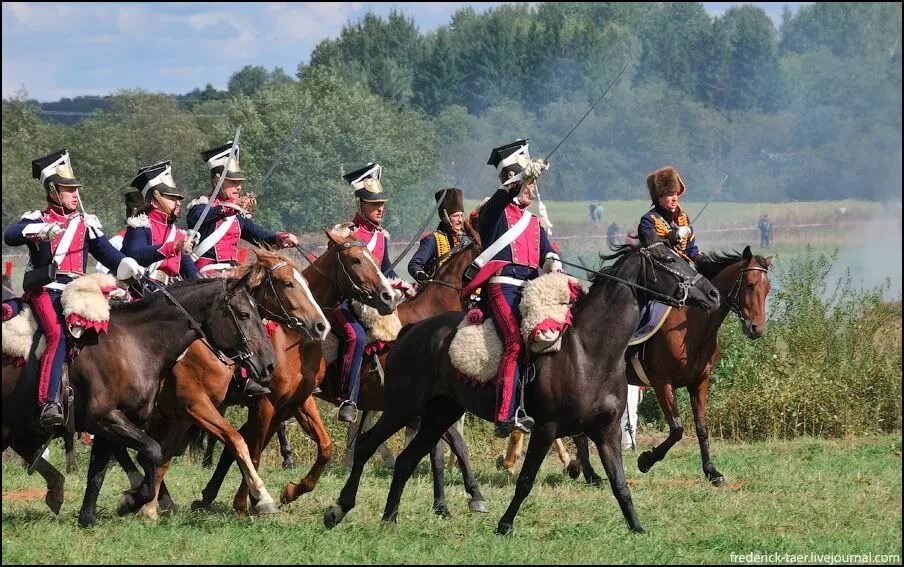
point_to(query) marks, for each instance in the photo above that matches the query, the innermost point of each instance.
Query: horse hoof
(645, 461)
(574, 470)
(595, 481)
(443, 512)
(638, 530)
(288, 465)
(54, 502)
(288, 493)
(126, 505)
(266, 507)
(86, 520)
(717, 480)
(478, 506)
(200, 505)
(333, 516)
(504, 529)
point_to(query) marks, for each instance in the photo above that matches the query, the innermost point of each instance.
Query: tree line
(808, 111)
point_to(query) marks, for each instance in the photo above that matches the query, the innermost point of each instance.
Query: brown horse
(685, 351)
(198, 383)
(440, 295)
(116, 380)
(346, 269)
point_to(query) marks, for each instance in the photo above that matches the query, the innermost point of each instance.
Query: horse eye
(244, 315)
(669, 260)
(288, 284)
(356, 261)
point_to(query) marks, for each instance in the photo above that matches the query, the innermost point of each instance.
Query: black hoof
(333, 516)
(645, 461)
(442, 512)
(504, 529)
(127, 504)
(595, 481)
(288, 465)
(200, 505)
(574, 470)
(717, 480)
(479, 506)
(638, 530)
(86, 520)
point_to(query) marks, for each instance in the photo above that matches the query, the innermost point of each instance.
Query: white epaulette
(202, 200)
(139, 221)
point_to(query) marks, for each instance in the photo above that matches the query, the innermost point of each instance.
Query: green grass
(803, 496)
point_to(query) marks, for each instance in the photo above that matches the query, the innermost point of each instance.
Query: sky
(56, 50)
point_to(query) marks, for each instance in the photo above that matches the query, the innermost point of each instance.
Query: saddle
(476, 350)
(652, 316)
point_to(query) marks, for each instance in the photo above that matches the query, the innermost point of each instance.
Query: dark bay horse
(685, 351)
(580, 389)
(116, 380)
(440, 295)
(346, 269)
(195, 387)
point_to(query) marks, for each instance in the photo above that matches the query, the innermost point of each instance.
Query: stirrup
(523, 422)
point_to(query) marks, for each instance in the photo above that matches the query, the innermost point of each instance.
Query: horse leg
(438, 470)
(571, 465)
(385, 452)
(456, 441)
(437, 417)
(541, 438)
(609, 445)
(583, 447)
(308, 417)
(512, 453)
(209, 418)
(264, 414)
(97, 469)
(285, 449)
(666, 396)
(385, 428)
(54, 479)
(69, 445)
(698, 403)
(209, 494)
(169, 433)
(128, 466)
(351, 436)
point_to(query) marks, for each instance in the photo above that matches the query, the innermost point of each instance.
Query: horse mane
(621, 253)
(257, 267)
(152, 298)
(710, 265)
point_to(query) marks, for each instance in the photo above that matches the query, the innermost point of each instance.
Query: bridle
(289, 321)
(733, 299)
(685, 283)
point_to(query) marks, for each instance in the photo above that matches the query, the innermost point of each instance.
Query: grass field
(799, 497)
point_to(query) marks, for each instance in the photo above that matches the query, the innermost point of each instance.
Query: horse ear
(747, 253)
(237, 284)
(769, 260)
(334, 238)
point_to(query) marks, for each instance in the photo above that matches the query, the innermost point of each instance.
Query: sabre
(716, 192)
(235, 142)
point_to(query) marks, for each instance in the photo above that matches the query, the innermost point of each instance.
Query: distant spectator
(596, 213)
(765, 231)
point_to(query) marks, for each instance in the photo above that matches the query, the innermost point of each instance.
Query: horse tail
(194, 439)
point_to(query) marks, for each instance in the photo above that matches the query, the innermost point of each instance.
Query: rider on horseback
(57, 238)
(152, 237)
(228, 220)
(665, 220)
(366, 228)
(514, 246)
(435, 248)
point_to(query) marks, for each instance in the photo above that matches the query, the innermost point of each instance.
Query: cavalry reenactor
(436, 247)
(152, 237)
(59, 239)
(665, 220)
(229, 218)
(366, 227)
(515, 247)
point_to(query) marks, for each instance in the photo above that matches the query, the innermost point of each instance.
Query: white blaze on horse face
(307, 290)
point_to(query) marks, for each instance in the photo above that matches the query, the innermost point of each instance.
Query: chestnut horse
(346, 269)
(685, 351)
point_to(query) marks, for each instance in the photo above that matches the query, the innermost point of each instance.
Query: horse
(440, 295)
(115, 380)
(196, 386)
(580, 389)
(346, 269)
(685, 351)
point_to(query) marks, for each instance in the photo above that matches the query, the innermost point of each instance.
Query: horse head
(747, 297)
(235, 327)
(671, 275)
(357, 274)
(283, 294)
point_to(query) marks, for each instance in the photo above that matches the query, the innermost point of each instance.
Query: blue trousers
(352, 352)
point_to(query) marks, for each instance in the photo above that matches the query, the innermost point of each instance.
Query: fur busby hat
(452, 203)
(55, 169)
(217, 157)
(135, 203)
(366, 182)
(665, 181)
(156, 178)
(510, 161)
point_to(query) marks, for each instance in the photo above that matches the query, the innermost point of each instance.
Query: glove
(673, 237)
(183, 246)
(49, 231)
(684, 231)
(93, 224)
(552, 264)
(421, 277)
(287, 239)
(403, 287)
(128, 268)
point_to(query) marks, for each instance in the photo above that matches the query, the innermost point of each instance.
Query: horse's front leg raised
(308, 417)
(698, 403)
(666, 396)
(541, 437)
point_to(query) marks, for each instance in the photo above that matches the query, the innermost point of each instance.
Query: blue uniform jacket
(137, 244)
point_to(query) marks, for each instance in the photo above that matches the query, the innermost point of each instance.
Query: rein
(363, 296)
(289, 321)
